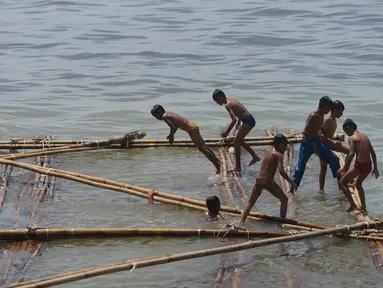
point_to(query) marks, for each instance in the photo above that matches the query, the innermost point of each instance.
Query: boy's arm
(315, 121)
(283, 173)
(173, 129)
(373, 155)
(233, 121)
(350, 156)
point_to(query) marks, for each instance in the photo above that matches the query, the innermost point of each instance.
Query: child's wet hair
(157, 109)
(337, 105)
(325, 102)
(348, 123)
(213, 204)
(218, 94)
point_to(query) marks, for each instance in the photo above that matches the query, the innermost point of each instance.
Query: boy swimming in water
(311, 143)
(328, 132)
(361, 146)
(213, 205)
(175, 121)
(237, 112)
(272, 160)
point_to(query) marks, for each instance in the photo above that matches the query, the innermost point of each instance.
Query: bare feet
(351, 208)
(234, 170)
(255, 160)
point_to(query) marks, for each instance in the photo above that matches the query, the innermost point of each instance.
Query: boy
(237, 112)
(214, 206)
(328, 131)
(272, 160)
(362, 147)
(175, 121)
(311, 143)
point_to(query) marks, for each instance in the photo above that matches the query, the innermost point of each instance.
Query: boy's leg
(201, 146)
(340, 147)
(305, 152)
(257, 190)
(277, 192)
(322, 175)
(238, 142)
(350, 175)
(330, 158)
(358, 185)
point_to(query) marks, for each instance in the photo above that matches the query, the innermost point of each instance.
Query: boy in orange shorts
(175, 121)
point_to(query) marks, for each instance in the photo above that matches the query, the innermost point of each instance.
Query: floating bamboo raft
(134, 140)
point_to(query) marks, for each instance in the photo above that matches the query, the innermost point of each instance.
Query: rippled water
(94, 70)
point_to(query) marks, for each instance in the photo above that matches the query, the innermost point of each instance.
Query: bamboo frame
(140, 263)
(143, 193)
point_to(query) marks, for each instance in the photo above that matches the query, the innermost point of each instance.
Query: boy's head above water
(280, 142)
(337, 109)
(213, 205)
(349, 127)
(219, 97)
(157, 111)
(325, 104)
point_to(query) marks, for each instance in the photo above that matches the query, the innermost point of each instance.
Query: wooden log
(140, 263)
(78, 233)
(159, 196)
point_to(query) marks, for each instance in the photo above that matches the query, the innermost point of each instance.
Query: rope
(98, 146)
(134, 267)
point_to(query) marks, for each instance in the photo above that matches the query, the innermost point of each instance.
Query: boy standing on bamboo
(237, 112)
(311, 143)
(272, 160)
(175, 121)
(360, 146)
(328, 132)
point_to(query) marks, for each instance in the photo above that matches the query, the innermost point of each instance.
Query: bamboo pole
(143, 193)
(78, 233)
(225, 177)
(7, 170)
(138, 135)
(98, 271)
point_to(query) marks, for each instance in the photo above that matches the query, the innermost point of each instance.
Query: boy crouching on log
(175, 121)
(272, 160)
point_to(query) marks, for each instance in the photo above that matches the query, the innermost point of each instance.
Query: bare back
(362, 147)
(238, 109)
(314, 123)
(177, 120)
(269, 166)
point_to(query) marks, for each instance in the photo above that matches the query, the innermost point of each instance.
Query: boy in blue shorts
(237, 112)
(311, 143)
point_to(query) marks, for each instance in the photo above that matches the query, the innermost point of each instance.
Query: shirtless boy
(237, 112)
(328, 131)
(213, 205)
(272, 160)
(311, 143)
(362, 147)
(175, 121)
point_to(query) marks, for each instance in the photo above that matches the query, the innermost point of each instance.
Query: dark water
(95, 69)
